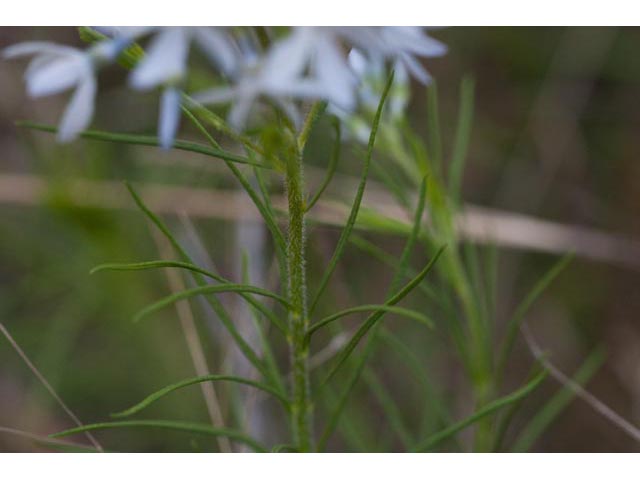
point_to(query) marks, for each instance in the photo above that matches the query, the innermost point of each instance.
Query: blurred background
(555, 137)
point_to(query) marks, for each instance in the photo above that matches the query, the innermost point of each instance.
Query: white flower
(168, 52)
(266, 78)
(318, 51)
(307, 64)
(397, 44)
(311, 63)
(56, 68)
(166, 64)
(372, 76)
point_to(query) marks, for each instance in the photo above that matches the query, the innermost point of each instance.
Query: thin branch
(45, 439)
(48, 386)
(576, 388)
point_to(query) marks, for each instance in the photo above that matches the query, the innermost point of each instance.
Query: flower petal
(415, 68)
(165, 60)
(216, 95)
(240, 111)
(77, 116)
(218, 47)
(56, 74)
(34, 48)
(169, 117)
(334, 72)
(288, 58)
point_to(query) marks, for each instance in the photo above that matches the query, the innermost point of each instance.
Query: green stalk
(301, 414)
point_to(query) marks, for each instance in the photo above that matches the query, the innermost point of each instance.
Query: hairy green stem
(301, 413)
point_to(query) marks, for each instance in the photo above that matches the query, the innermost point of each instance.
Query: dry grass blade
(194, 344)
(477, 224)
(578, 390)
(47, 385)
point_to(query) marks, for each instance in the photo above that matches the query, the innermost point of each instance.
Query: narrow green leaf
(281, 254)
(390, 408)
(334, 416)
(205, 290)
(331, 168)
(359, 366)
(396, 187)
(391, 261)
(284, 448)
(353, 215)
(195, 380)
(158, 223)
(433, 403)
(368, 308)
(188, 266)
(463, 135)
(371, 323)
(315, 113)
(516, 320)
(556, 404)
(266, 214)
(203, 114)
(169, 425)
(189, 114)
(433, 124)
(153, 264)
(413, 237)
(373, 318)
(46, 441)
(492, 278)
(219, 309)
(267, 350)
(505, 417)
(147, 140)
(488, 409)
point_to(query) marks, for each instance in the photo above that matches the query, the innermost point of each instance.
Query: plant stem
(301, 414)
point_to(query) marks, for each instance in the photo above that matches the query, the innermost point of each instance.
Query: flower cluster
(304, 63)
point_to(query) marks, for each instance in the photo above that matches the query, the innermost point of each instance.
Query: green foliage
(169, 425)
(146, 140)
(543, 419)
(355, 208)
(192, 381)
(488, 409)
(456, 304)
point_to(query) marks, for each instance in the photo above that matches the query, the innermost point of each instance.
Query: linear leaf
(222, 313)
(353, 215)
(433, 404)
(413, 237)
(556, 404)
(373, 318)
(331, 168)
(433, 123)
(315, 113)
(463, 134)
(368, 308)
(266, 214)
(148, 140)
(204, 290)
(49, 442)
(153, 264)
(522, 309)
(488, 409)
(390, 407)
(195, 380)
(169, 425)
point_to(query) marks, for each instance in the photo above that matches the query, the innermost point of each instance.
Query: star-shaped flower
(57, 68)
